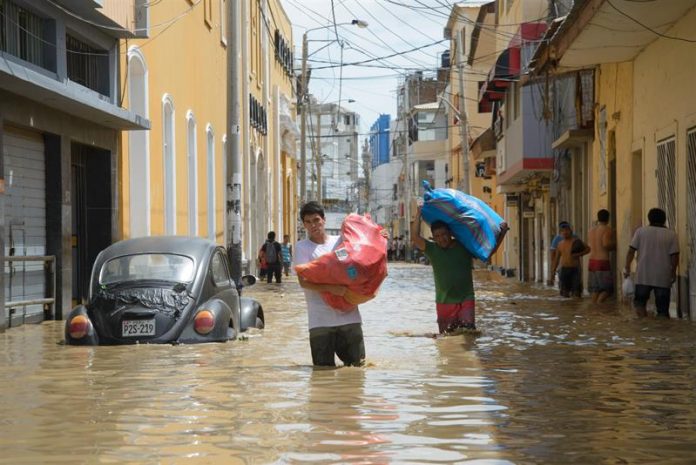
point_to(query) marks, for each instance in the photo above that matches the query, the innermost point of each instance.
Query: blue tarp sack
(473, 223)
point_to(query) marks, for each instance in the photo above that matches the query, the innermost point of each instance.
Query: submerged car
(163, 290)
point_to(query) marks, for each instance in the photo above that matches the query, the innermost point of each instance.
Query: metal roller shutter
(25, 217)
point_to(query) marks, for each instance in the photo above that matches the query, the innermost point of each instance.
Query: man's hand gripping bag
(359, 261)
(473, 223)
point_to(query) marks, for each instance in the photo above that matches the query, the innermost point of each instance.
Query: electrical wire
(645, 26)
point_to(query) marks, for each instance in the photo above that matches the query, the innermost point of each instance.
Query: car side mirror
(248, 280)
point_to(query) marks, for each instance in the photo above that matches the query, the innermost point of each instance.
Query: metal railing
(49, 303)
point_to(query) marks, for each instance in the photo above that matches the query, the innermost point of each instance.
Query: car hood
(165, 300)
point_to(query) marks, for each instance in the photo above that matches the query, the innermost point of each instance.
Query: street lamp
(303, 100)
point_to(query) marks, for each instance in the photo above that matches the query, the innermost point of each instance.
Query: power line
(657, 33)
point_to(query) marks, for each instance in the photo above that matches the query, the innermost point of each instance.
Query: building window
(192, 154)
(138, 146)
(169, 155)
(211, 181)
(27, 36)
(87, 65)
(666, 180)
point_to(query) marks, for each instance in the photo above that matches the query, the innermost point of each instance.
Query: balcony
(525, 149)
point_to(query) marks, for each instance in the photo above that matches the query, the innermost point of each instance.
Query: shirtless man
(568, 254)
(602, 242)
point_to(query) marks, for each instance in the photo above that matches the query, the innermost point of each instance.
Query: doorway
(91, 212)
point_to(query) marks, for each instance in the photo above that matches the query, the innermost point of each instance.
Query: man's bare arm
(416, 238)
(335, 289)
(629, 259)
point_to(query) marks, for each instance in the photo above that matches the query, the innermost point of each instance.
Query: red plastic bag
(359, 261)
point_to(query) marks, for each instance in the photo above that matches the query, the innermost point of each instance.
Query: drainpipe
(234, 161)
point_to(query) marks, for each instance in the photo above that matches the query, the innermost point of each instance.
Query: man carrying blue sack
(452, 268)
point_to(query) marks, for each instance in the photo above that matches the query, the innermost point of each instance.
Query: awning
(484, 145)
(573, 138)
(505, 71)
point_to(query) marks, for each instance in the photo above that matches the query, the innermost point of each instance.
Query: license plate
(138, 328)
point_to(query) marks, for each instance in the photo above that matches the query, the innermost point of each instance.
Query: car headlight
(204, 322)
(79, 326)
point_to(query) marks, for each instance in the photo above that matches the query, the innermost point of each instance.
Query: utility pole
(463, 121)
(234, 160)
(304, 101)
(317, 156)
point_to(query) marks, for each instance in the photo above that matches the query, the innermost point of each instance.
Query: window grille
(25, 35)
(666, 179)
(87, 65)
(691, 184)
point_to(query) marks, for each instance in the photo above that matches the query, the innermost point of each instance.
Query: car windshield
(150, 266)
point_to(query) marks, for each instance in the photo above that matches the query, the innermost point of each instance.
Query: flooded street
(549, 381)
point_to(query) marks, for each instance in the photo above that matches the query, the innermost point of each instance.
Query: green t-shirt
(452, 269)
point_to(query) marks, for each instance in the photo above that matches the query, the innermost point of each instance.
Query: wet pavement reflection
(549, 381)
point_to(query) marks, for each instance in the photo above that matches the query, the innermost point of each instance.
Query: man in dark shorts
(658, 257)
(331, 332)
(568, 253)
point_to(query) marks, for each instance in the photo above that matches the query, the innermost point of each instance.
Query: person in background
(568, 254)
(554, 245)
(658, 257)
(272, 253)
(261, 261)
(331, 332)
(602, 242)
(286, 253)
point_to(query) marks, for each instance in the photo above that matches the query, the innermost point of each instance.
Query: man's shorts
(600, 277)
(457, 315)
(662, 298)
(345, 341)
(570, 281)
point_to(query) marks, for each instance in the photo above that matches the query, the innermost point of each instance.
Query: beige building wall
(614, 92)
(665, 106)
(185, 57)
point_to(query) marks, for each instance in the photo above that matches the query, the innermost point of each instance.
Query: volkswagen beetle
(163, 290)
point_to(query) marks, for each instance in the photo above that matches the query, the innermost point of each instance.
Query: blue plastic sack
(472, 222)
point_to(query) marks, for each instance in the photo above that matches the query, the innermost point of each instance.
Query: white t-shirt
(655, 248)
(319, 314)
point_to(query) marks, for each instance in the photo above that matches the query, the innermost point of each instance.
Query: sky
(394, 27)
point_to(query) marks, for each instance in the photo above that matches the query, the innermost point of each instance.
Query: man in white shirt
(658, 257)
(331, 332)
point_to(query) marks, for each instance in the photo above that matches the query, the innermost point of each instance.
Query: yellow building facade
(174, 176)
(269, 192)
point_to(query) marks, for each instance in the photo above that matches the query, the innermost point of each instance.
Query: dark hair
(563, 224)
(271, 236)
(438, 225)
(603, 216)
(311, 208)
(657, 217)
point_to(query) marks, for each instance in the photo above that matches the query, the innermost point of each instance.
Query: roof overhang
(608, 31)
(484, 145)
(66, 96)
(573, 138)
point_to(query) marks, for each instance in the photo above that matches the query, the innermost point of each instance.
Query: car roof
(195, 247)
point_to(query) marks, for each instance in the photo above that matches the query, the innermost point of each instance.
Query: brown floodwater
(549, 381)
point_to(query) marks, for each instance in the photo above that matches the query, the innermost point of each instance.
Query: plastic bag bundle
(472, 222)
(359, 261)
(628, 288)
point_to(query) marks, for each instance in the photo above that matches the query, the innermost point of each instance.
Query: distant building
(379, 140)
(332, 155)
